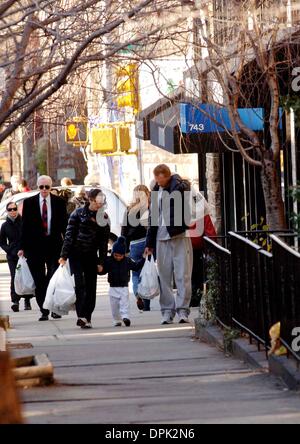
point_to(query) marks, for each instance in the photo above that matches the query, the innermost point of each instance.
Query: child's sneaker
(27, 305)
(117, 323)
(127, 322)
(15, 307)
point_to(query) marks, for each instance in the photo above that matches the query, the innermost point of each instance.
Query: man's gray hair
(44, 177)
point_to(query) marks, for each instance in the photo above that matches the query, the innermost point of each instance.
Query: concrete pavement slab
(147, 373)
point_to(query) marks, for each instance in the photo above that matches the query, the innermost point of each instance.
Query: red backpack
(208, 230)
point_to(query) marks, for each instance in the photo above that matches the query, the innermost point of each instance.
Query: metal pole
(140, 161)
(293, 160)
(11, 158)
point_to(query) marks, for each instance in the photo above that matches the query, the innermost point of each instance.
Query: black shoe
(140, 303)
(27, 305)
(81, 322)
(127, 322)
(87, 325)
(15, 307)
(44, 318)
(146, 304)
(55, 316)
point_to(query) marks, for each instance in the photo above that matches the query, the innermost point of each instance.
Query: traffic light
(123, 138)
(111, 138)
(127, 87)
(76, 131)
(104, 140)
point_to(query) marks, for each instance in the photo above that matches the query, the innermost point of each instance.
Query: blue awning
(215, 119)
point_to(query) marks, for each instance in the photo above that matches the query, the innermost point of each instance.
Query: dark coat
(174, 228)
(10, 237)
(119, 271)
(85, 236)
(130, 232)
(33, 236)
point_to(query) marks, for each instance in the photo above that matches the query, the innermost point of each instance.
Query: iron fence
(247, 289)
(219, 270)
(286, 266)
(256, 287)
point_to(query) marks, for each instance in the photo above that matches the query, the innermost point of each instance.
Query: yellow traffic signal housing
(127, 87)
(76, 131)
(123, 138)
(104, 140)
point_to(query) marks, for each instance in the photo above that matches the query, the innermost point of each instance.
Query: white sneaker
(183, 319)
(166, 319)
(117, 323)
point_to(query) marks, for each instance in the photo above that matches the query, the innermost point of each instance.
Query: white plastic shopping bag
(24, 283)
(148, 287)
(60, 295)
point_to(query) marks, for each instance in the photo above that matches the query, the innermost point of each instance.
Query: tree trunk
(10, 412)
(272, 194)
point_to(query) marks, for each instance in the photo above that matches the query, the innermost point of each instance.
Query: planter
(10, 411)
(4, 322)
(31, 371)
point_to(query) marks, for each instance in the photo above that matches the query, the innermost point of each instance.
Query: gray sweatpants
(175, 259)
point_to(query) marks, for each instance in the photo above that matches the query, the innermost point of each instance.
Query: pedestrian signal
(76, 131)
(127, 87)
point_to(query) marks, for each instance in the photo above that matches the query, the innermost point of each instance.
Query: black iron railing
(286, 265)
(257, 288)
(218, 259)
(247, 289)
(263, 237)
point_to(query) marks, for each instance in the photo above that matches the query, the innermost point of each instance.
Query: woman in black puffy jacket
(85, 245)
(10, 236)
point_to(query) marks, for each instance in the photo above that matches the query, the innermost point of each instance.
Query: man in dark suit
(44, 224)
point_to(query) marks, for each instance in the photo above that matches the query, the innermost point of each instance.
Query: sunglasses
(46, 187)
(12, 209)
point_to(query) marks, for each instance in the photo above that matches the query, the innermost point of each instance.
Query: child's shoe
(27, 304)
(15, 307)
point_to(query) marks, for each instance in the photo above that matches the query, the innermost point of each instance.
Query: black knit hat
(119, 246)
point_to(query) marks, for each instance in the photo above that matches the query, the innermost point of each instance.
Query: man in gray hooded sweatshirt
(169, 214)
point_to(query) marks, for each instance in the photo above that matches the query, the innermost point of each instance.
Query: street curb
(248, 353)
(279, 366)
(212, 335)
(286, 369)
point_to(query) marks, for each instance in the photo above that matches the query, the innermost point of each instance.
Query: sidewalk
(146, 373)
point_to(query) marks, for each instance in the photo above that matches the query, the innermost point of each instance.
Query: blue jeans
(136, 253)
